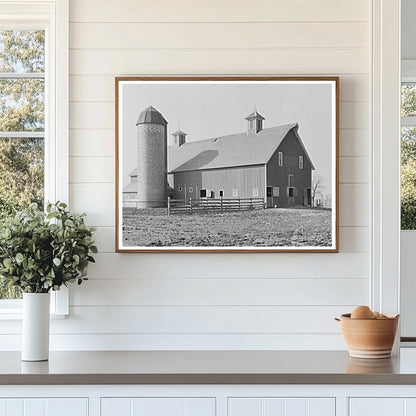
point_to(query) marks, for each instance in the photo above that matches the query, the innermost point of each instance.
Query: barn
(268, 163)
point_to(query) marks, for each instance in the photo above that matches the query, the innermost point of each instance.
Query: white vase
(35, 326)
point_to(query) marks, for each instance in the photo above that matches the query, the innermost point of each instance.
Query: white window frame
(385, 150)
(53, 17)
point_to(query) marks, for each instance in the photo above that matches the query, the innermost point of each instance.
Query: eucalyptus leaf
(42, 251)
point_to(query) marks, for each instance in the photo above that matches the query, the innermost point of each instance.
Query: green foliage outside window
(21, 110)
(408, 160)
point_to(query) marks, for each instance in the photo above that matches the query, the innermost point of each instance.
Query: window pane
(408, 178)
(21, 182)
(22, 51)
(22, 109)
(22, 105)
(21, 173)
(9, 292)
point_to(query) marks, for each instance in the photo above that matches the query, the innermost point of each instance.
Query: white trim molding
(53, 16)
(385, 259)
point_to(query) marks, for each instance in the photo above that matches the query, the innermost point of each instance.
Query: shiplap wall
(242, 301)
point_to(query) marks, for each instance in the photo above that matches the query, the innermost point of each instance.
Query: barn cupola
(254, 122)
(179, 138)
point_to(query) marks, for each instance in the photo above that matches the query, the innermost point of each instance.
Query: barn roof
(240, 149)
(151, 115)
(131, 186)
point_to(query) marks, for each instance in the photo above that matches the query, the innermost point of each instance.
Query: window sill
(11, 309)
(17, 316)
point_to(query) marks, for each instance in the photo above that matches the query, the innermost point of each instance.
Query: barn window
(203, 193)
(276, 191)
(291, 180)
(269, 192)
(290, 192)
(221, 193)
(300, 162)
(280, 158)
(255, 192)
(235, 193)
(180, 188)
(191, 189)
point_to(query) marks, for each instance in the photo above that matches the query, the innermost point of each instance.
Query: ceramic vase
(35, 326)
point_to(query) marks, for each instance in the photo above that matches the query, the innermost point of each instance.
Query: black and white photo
(227, 164)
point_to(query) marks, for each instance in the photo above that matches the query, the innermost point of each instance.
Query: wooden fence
(180, 206)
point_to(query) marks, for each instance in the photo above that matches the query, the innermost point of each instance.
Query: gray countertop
(208, 367)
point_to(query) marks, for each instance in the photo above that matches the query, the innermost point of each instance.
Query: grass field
(261, 228)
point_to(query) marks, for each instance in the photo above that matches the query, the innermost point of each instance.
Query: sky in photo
(216, 109)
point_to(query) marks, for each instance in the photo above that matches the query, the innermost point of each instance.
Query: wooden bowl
(369, 338)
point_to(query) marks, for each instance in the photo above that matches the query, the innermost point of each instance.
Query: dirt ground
(261, 228)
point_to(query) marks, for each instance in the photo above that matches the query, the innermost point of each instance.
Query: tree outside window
(408, 157)
(22, 124)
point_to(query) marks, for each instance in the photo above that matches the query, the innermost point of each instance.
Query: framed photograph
(227, 164)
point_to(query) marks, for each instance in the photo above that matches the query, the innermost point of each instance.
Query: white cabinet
(281, 406)
(156, 406)
(44, 407)
(383, 406)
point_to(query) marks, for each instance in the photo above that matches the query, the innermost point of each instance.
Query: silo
(151, 159)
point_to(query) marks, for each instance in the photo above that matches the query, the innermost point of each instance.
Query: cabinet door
(272, 406)
(155, 406)
(44, 407)
(375, 406)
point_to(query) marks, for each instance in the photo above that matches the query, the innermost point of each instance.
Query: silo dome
(152, 116)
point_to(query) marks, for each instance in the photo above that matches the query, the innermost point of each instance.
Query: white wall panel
(263, 301)
(96, 199)
(99, 88)
(354, 205)
(354, 142)
(104, 238)
(298, 61)
(100, 169)
(218, 35)
(354, 115)
(95, 143)
(218, 291)
(353, 169)
(218, 11)
(294, 265)
(187, 341)
(354, 239)
(201, 319)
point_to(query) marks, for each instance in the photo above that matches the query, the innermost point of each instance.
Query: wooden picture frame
(227, 164)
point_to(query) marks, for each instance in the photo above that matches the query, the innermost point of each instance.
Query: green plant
(43, 251)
